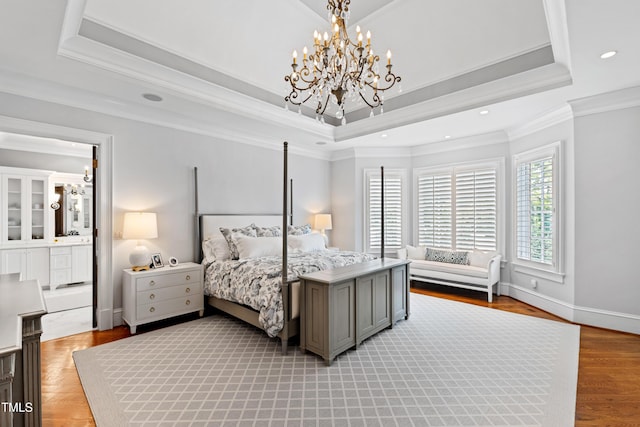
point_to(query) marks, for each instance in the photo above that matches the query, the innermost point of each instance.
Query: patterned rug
(450, 364)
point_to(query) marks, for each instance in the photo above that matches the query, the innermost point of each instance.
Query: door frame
(104, 199)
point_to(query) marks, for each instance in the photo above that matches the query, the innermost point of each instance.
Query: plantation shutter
(435, 225)
(392, 213)
(458, 208)
(476, 210)
(534, 193)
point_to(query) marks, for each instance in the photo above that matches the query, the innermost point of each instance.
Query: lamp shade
(323, 222)
(140, 225)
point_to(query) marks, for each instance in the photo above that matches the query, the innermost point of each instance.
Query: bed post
(284, 334)
(381, 211)
(197, 248)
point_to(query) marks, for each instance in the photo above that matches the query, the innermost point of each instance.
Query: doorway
(53, 190)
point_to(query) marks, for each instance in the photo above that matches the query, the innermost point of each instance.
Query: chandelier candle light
(338, 69)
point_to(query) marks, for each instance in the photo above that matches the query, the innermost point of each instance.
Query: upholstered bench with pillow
(477, 270)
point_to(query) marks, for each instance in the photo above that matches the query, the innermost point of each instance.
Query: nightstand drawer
(162, 294)
(170, 307)
(170, 279)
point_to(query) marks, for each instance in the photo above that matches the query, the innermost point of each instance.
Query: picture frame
(156, 259)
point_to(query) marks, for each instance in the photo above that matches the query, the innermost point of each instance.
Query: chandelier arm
(375, 99)
(292, 97)
(326, 103)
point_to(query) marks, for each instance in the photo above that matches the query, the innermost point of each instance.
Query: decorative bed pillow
(311, 242)
(256, 247)
(249, 230)
(216, 249)
(452, 257)
(298, 230)
(416, 252)
(268, 231)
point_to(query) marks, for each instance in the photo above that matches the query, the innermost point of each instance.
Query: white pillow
(216, 249)
(416, 252)
(480, 258)
(255, 247)
(307, 242)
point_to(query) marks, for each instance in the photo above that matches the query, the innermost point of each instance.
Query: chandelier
(338, 69)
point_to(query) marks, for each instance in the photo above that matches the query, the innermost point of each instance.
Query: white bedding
(257, 282)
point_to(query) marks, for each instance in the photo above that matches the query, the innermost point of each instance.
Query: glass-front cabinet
(25, 216)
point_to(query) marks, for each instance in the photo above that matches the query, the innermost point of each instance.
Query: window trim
(555, 270)
(367, 172)
(497, 163)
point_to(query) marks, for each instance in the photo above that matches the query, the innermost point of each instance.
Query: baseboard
(622, 322)
(117, 317)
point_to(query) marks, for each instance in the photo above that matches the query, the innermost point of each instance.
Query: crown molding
(609, 101)
(468, 142)
(542, 122)
(371, 153)
(533, 81)
(556, 14)
(28, 87)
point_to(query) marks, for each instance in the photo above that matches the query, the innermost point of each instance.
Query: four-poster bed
(254, 283)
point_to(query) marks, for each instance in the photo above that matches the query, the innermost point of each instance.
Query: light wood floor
(608, 377)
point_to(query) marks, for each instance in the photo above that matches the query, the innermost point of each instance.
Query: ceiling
(219, 65)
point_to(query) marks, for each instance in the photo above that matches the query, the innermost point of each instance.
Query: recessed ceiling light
(152, 97)
(447, 137)
(608, 54)
(384, 135)
(484, 112)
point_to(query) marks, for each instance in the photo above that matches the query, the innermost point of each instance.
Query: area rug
(450, 364)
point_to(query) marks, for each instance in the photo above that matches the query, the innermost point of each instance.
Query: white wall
(347, 196)
(346, 228)
(608, 205)
(51, 162)
(153, 171)
(549, 289)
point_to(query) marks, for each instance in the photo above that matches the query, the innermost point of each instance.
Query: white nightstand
(160, 293)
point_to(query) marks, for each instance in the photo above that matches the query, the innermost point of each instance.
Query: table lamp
(322, 223)
(139, 226)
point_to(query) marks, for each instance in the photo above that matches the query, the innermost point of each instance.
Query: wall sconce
(140, 225)
(86, 177)
(322, 223)
(56, 202)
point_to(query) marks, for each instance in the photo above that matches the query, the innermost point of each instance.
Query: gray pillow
(298, 230)
(268, 231)
(452, 257)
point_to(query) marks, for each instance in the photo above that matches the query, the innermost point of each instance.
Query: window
(457, 207)
(393, 210)
(536, 216)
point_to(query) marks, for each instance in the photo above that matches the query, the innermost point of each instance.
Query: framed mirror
(74, 217)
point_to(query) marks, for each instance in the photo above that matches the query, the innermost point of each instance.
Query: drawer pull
(152, 309)
(151, 283)
(187, 290)
(188, 277)
(152, 296)
(188, 302)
